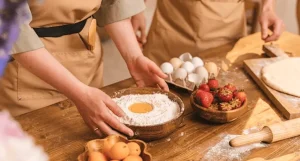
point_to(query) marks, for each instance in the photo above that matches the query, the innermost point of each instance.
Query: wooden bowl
(158, 131)
(217, 116)
(97, 145)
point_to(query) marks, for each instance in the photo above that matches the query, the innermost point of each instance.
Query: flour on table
(222, 151)
(164, 109)
(283, 76)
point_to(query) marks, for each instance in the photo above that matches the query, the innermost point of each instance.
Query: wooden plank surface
(290, 47)
(62, 132)
(288, 105)
(288, 157)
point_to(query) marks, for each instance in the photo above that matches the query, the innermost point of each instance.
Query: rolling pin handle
(265, 135)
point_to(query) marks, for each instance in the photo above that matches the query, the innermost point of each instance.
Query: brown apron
(22, 91)
(193, 26)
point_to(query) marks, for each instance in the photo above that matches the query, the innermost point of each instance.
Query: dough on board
(283, 76)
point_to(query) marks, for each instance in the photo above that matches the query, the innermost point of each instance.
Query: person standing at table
(58, 56)
(193, 26)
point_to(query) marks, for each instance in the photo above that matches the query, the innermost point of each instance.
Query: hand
(147, 73)
(269, 20)
(94, 108)
(139, 25)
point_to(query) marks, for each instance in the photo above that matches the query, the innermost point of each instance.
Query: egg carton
(187, 72)
(181, 83)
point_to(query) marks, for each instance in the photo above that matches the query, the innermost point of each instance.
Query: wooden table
(63, 134)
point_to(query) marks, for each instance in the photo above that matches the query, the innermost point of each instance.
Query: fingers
(143, 37)
(99, 133)
(114, 123)
(94, 126)
(162, 84)
(135, 26)
(277, 30)
(264, 29)
(106, 129)
(156, 70)
(113, 106)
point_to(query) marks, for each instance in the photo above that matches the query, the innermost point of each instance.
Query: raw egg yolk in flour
(141, 107)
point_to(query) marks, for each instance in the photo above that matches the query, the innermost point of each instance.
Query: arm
(91, 103)
(144, 71)
(269, 20)
(139, 26)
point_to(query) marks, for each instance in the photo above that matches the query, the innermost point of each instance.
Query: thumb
(135, 26)
(264, 30)
(143, 34)
(157, 71)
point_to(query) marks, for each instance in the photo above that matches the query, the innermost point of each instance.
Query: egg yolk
(141, 107)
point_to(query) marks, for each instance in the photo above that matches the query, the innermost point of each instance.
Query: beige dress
(21, 91)
(193, 26)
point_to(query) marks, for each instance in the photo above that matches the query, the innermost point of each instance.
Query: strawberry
(241, 95)
(225, 95)
(213, 84)
(231, 87)
(204, 98)
(215, 92)
(204, 87)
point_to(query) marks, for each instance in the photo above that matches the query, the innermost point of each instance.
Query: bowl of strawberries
(219, 104)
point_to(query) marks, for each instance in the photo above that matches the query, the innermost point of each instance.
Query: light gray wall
(286, 9)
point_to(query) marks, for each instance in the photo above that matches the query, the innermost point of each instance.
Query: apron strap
(59, 31)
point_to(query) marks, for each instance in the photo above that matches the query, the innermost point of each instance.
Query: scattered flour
(164, 109)
(224, 152)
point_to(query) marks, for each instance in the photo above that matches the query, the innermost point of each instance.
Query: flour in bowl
(163, 109)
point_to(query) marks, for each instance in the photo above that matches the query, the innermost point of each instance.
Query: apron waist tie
(59, 31)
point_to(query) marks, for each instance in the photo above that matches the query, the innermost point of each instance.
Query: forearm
(123, 35)
(42, 64)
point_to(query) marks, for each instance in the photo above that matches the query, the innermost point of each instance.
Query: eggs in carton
(188, 72)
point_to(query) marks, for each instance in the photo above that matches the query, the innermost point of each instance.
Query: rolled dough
(283, 76)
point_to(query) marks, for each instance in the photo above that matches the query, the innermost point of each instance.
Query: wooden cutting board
(274, 50)
(288, 105)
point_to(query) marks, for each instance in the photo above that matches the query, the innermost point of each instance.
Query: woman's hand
(94, 106)
(92, 103)
(146, 73)
(269, 20)
(139, 26)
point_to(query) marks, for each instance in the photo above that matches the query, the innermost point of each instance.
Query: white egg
(167, 68)
(188, 66)
(197, 62)
(195, 78)
(202, 73)
(212, 69)
(176, 62)
(180, 73)
(185, 57)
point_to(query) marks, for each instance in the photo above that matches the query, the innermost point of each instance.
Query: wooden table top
(63, 134)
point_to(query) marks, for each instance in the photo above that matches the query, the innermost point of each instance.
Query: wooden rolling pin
(270, 134)
(289, 157)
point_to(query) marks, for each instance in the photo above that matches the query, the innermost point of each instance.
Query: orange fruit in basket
(119, 151)
(133, 158)
(97, 156)
(134, 148)
(109, 142)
